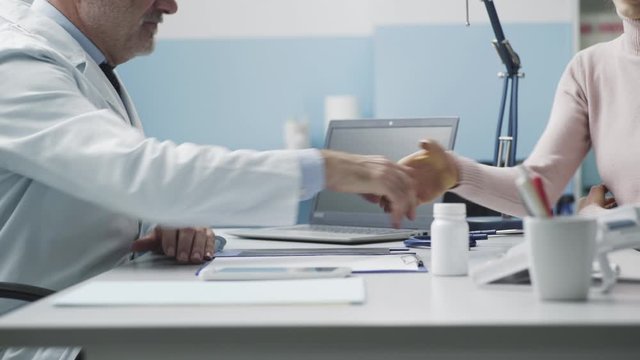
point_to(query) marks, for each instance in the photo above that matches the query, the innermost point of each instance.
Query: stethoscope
(424, 241)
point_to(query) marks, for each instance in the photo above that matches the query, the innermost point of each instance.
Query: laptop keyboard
(347, 229)
(340, 234)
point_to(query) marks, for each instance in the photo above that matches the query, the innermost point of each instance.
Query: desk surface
(413, 314)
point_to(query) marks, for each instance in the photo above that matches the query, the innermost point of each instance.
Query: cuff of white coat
(312, 168)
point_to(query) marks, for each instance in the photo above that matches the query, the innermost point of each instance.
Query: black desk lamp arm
(508, 56)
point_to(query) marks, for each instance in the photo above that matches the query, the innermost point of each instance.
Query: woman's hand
(433, 169)
(597, 197)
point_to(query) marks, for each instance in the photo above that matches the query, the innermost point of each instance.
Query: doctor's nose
(166, 6)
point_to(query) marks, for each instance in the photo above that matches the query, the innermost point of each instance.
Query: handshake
(398, 188)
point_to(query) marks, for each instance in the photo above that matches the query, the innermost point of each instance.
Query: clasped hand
(433, 172)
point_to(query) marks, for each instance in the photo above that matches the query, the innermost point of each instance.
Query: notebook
(347, 218)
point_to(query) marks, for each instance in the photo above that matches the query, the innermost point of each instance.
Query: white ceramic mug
(561, 254)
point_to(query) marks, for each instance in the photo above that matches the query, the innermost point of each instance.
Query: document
(359, 264)
(310, 252)
(276, 292)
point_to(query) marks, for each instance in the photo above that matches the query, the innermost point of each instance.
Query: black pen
(472, 236)
(425, 241)
(498, 232)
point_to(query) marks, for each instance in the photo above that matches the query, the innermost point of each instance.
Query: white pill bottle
(449, 240)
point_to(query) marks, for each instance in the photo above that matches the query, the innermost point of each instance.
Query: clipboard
(364, 251)
(359, 264)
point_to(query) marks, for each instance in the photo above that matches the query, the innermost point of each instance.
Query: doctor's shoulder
(35, 38)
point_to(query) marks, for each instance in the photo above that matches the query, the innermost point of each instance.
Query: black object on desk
(493, 223)
(483, 218)
(424, 241)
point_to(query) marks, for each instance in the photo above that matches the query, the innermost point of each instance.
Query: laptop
(343, 218)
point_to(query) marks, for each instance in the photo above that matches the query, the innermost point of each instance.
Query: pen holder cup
(561, 254)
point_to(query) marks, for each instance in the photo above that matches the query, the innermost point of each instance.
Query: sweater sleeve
(558, 153)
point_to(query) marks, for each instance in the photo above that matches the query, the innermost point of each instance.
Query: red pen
(531, 198)
(539, 186)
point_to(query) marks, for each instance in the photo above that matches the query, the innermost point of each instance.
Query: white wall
(304, 18)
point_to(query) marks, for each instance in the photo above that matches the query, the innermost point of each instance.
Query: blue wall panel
(239, 93)
(451, 70)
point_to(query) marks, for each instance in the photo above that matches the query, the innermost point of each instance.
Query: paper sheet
(280, 292)
(379, 263)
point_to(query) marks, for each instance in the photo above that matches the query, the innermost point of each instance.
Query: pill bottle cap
(449, 209)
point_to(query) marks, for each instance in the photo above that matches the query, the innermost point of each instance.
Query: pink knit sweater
(597, 104)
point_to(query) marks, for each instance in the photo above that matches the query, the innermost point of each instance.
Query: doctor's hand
(187, 245)
(374, 175)
(435, 171)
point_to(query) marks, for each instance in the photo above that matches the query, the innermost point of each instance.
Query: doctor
(77, 174)
(10, 10)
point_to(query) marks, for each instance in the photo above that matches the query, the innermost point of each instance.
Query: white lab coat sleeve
(53, 132)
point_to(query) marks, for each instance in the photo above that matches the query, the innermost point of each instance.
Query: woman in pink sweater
(596, 105)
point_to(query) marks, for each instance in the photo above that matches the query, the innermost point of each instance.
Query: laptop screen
(392, 138)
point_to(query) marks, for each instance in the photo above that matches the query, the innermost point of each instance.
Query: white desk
(406, 316)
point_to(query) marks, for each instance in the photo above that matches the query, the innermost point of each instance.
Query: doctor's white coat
(76, 176)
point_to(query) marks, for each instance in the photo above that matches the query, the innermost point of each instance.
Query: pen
(530, 196)
(498, 232)
(425, 242)
(488, 232)
(472, 236)
(398, 250)
(539, 186)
